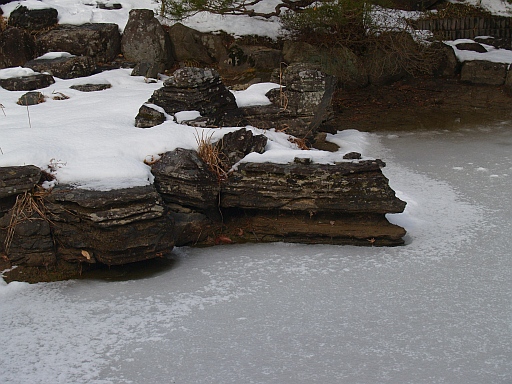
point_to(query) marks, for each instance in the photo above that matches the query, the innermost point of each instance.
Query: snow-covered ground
(89, 140)
(438, 310)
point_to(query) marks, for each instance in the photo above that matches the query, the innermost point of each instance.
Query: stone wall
(467, 27)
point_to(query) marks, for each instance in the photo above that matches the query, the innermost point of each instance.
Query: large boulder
(64, 67)
(484, 72)
(33, 19)
(16, 47)
(192, 46)
(197, 89)
(103, 41)
(111, 227)
(145, 40)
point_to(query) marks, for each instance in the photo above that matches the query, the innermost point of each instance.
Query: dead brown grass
(29, 206)
(211, 155)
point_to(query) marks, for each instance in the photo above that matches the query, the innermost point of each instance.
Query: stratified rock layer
(111, 227)
(343, 187)
(192, 204)
(197, 89)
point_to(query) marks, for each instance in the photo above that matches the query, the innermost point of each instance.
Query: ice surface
(437, 310)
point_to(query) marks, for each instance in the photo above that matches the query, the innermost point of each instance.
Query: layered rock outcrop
(197, 89)
(190, 204)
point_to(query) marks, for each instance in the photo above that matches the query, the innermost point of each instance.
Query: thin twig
(28, 114)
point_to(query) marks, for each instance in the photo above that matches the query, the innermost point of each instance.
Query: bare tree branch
(182, 9)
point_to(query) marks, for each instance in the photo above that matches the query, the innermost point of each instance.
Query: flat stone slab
(27, 83)
(17, 180)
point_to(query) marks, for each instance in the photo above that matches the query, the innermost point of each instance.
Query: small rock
(148, 117)
(352, 156)
(474, 47)
(31, 98)
(234, 146)
(91, 87)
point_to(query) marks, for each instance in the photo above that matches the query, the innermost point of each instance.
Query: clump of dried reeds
(211, 154)
(27, 207)
(301, 143)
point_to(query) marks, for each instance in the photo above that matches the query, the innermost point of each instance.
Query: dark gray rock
(496, 42)
(109, 7)
(111, 227)
(273, 116)
(346, 187)
(31, 243)
(17, 180)
(197, 89)
(191, 227)
(473, 47)
(182, 178)
(27, 83)
(91, 87)
(147, 69)
(483, 72)
(64, 67)
(31, 98)
(145, 40)
(103, 41)
(234, 146)
(16, 47)
(301, 106)
(33, 19)
(148, 117)
(189, 45)
(445, 63)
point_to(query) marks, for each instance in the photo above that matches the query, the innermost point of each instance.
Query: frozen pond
(437, 310)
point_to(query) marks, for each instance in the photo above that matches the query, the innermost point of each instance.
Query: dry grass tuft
(27, 206)
(302, 143)
(211, 155)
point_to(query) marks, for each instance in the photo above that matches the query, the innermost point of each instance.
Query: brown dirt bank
(420, 104)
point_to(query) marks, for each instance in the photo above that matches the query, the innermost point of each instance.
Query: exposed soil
(420, 104)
